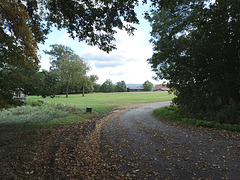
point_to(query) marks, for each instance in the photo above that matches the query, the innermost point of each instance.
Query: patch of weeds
(30, 114)
(34, 103)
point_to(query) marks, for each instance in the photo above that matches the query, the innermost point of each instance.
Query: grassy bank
(170, 114)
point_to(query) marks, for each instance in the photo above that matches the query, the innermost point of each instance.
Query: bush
(8, 102)
(34, 103)
(229, 114)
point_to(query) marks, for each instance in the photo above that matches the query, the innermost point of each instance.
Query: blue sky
(127, 63)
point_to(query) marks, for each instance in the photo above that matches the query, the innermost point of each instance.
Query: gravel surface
(142, 147)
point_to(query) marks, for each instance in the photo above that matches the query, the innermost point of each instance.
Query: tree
(88, 83)
(121, 86)
(13, 79)
(42, 83)
(68, 67)
(96, 88)
(147, 86)
(107, 86)
(195, 48)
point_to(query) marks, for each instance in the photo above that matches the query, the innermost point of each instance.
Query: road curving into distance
(142, 147)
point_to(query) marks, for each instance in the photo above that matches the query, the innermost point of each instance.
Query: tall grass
(30, 114)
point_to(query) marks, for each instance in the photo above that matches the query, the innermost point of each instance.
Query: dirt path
(143, 147)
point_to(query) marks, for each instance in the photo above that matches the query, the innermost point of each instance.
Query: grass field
(103, 102)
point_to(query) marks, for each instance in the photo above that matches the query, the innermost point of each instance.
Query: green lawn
(103, 102)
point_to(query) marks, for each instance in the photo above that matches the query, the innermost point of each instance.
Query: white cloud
(45, 63)
(127, 63)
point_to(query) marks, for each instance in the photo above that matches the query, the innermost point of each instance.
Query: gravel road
(143, 147)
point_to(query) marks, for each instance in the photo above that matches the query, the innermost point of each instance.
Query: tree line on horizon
(109, 86)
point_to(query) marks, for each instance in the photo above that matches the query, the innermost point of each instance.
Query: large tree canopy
(196, 45)
(28, 21)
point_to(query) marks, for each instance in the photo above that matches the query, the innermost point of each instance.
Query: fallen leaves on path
(151, 149)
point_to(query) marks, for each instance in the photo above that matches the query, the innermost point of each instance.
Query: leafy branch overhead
(29, 21)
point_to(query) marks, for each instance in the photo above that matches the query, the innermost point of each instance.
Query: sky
(128, 63)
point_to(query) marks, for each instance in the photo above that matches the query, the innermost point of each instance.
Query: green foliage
(68, 68)
(14, 78)
(147, 86)
(121, 86)
(92, 21)
(196, 48)
(230, 113)
(107, 86)
(20, 30)
(34, 103)
(97, 88)
(88, 84)
(171, 113)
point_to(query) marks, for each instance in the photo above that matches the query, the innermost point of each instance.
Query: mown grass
(169, 113)
(103, 102)
(22, 127)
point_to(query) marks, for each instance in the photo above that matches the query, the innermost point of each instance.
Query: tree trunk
(67, 90)
(83, 91)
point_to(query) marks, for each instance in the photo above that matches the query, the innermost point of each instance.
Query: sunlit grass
(103, 102)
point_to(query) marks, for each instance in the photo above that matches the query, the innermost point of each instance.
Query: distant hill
(136, 85)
